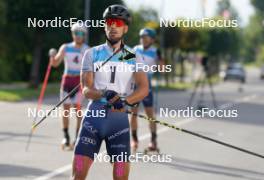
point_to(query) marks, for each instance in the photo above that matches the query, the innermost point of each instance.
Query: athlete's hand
(114, 99)
(110, 94)
(120, 104)
(116, 102)
(52, 54)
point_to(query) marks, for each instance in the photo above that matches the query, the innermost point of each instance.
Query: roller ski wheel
(201, 107)
(65, 145)
(152, 149)
(134, 146)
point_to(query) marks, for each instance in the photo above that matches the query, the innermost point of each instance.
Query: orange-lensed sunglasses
(117, 22)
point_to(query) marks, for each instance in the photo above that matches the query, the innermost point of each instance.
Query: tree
(18, 12)
(140, 19)
(226, 10)
(22, 48)
(253, 34)
(259, 5)
(253, 38)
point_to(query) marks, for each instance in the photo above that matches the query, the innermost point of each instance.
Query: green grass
(252, 64)
(181, 86)
(213, 79)
(22, 93)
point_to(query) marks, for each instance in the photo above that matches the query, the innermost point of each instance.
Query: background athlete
(151, 56)
(71, 54)
(109, 87)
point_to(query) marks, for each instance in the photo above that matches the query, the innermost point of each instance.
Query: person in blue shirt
(151, 57)
(71, 54)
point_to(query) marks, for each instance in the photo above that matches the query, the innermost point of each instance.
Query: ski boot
(152, 148)
(65, 144)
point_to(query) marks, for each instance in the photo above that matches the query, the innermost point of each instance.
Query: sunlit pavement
(192, 158)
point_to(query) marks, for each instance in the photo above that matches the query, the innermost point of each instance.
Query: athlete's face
(146, 41)
(115, 29)
(78, 37)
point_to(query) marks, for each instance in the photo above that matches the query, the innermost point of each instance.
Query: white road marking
(54, 173)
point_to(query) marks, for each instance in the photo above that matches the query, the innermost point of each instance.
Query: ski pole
(52, 52)
(128, 55)
(195, 134)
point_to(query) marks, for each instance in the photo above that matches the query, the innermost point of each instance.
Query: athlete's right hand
(52, 52)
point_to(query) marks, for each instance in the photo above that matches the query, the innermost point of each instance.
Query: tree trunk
(34, 75)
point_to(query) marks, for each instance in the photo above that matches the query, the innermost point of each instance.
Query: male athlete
(114, 88)
(151, 56)
(72, 54)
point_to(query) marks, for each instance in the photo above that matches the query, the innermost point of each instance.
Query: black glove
(121, 103)
(113, 99)
(109, 94)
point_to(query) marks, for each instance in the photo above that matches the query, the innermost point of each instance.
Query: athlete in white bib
(71, 54)
(151, 57)
(111, 89)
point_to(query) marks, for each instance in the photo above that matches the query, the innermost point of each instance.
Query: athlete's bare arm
(55, 61)
(87, 80)
(142, 88)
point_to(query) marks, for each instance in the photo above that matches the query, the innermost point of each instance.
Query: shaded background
(23, 50)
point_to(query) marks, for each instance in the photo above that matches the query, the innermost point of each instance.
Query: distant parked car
(235, 71)
(262, 73)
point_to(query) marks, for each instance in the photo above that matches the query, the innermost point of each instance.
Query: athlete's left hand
(119, 104)
(114, 100)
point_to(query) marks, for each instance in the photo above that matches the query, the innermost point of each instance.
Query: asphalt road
(191, 157)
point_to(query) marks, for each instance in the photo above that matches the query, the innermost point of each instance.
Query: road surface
(191, 157)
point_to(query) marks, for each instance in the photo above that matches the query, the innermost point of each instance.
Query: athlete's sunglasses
(117, 22)
(79, 33)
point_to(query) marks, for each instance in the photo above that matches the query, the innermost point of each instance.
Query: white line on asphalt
(54, 173)
(63, 169)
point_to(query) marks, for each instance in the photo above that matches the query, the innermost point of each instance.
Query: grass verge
(182, 86)
(22, 93)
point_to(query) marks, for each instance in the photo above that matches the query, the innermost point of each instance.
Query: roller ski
(66, 145)
(152, 149)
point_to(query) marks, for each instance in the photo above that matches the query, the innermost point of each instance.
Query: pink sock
(120, 169)
(79, 163)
